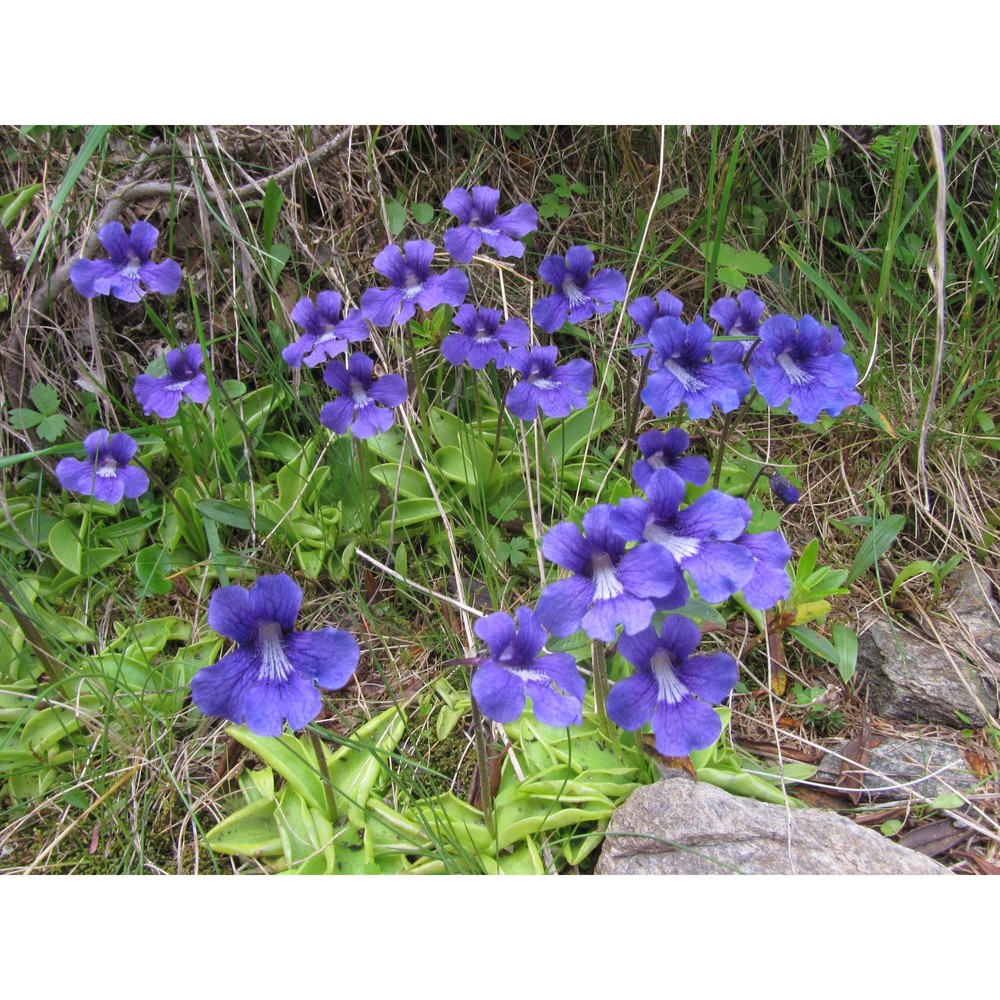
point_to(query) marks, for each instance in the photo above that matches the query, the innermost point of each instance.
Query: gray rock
(974, 609)
(683, 827)
(912, 680)
(899, 769)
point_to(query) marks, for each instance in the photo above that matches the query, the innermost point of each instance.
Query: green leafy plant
(47, 420)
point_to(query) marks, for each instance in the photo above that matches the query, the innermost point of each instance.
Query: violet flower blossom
(645, 311)
(413, 284)
(514, 669)
(327, 334)
(556, 389)
(664, 453)
(739, 316)
(129, 264)
(671, 688)
(783, 489)
(272, 674)
(365, 405)
(805, 364)
(578, 296)
(701, 538)
(483, 337)
(691, 369)
(106, 475)
(162, 394)
(610, 587)
(477, 212)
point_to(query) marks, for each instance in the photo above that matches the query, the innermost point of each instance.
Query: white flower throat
(274, 664)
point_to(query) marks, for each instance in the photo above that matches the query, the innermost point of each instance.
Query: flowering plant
(128, 266)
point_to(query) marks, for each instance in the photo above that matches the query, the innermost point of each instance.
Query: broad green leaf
(814, 642)
(396, 215)
(45, 398)
(151, 566)
(23, 419)
(412, 511)
(235, 517)
(573, 433)
(290, 757)
(46, 728)
(845, 642)
(251, 831)
(52, 428)
(876, 544)
(65, 546)
(13, 203)
(908, 572)
(273, 200)
(411, 482)
(732, 278)
(422, 213)
(277, 258)
(751, 262)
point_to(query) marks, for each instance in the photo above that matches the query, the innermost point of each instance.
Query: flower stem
(633, 417)
(731, 419)
(411, 353)
(482, 761)
(324, 772)
(600, 667)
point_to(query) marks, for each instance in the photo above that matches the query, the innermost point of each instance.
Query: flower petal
(563, 604)
(551, 312)
(383, 305)
(498, 692)
(112, 237)
(631, 701)
(552, 708)
(220, 689)
(277, 599)
(497, 631)
(268, 703)
(142, 240)
(462, 242)
(328, 656)
(231, 613)
(711, 677)
(163, 278)
(685, 726)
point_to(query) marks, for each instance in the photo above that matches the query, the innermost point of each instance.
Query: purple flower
(769, 583)
(557, 389)
(701, 538)
(783, 489)
(482, 338)
(687, 373)
(610, 586)
(577, 296)
(106, 475)
(514, 669)
(412, 284)
(162, 395)
(327, 335)
(129, 265)
(805, 364)
(664, 452)
(362, 406)
(645, 311)
(480, 224)
(672, 688)
(739, 316)
(272, 674)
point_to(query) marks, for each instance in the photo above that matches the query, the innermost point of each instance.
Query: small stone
(912, 680)
(974, 609)
(682, 827)
(900, 769)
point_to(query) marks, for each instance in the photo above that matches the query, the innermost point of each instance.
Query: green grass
(104, 764)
